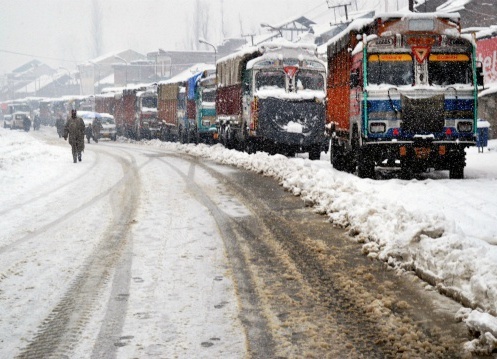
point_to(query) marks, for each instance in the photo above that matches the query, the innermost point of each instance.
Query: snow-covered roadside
(442, 229)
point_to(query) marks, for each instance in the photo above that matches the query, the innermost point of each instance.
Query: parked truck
(171, 108)
(201, 106)
(402, 93)
(272, 98)
(136, 113)
(184, 106)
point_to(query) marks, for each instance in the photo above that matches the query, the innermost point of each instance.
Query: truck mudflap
(293, 123)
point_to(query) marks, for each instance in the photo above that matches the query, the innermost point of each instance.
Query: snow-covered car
(108, 126)
(86, 116)
(20, 121)
(7, 121)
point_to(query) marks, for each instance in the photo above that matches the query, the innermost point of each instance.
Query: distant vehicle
(186, 107)
(87, 116)
(21, 121)
(108, 126)
(136, 113)
(205, 104)
(7, 121)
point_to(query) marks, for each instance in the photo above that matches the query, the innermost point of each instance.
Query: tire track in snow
(260, 340)
(58, 334)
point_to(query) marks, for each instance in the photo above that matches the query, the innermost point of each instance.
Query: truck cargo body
(205, 100)
(136, 113)
(171, 109)
(273, 99)
(106, 103)
(412, 97)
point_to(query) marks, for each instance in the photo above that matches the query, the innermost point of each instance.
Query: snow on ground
(443, 229)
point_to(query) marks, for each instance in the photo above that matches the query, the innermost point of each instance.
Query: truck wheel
(315, 153)
(406, 171)
(456, 171)
(365, 167)
(250, 146)
(456, 165)
(337, 157)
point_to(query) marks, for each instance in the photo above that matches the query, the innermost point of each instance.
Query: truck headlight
(464, 126)
(377, 127)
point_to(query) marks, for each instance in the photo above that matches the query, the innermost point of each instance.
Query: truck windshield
(449, 69)
(270, 80)
(309, 80)
(150, 102)
(209, 95)
(392, 69)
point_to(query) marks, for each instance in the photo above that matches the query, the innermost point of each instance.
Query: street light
(127, 63)
(202, 41)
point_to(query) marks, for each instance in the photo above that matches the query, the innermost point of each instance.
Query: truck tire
(365, 166)
(456, 171)
(315, 153)
(457, 164)
(406, 170)
(337, 157)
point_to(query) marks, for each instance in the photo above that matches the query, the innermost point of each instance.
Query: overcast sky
(59, 32)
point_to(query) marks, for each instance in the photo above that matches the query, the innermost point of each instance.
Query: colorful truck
(204, 87)
(402, 94)
(135, 113)
(182, 105)
(272, 98)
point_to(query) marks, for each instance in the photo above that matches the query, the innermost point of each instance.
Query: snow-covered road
(75, 253)
(59, 217)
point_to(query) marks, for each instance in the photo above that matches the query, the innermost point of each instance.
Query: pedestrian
(96, 127)
(75, 130)
(60, 124)
(88, 132)
(36, 122)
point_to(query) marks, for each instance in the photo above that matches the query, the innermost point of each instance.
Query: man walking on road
(75, 129)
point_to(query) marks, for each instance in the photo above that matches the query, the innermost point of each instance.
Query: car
(20, 121)
(108, 126)
(7, 121)
(86, 116)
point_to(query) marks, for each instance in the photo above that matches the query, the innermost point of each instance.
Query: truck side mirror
(480, 79)
(354, 79)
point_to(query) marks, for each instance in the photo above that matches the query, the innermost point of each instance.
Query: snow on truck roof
(407, 15)
(271, 46)
(188, 73)
(359, 25)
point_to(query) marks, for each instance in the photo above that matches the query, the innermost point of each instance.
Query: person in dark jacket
(75, 130)
(89, 132)
(96, 127)
(59, 124)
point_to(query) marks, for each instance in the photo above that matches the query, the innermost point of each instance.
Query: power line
(41, 57)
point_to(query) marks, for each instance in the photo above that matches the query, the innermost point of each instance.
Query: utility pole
(411, 5)
(251, 37)
(335, 6)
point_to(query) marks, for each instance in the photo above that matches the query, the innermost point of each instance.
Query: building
(94, 74)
